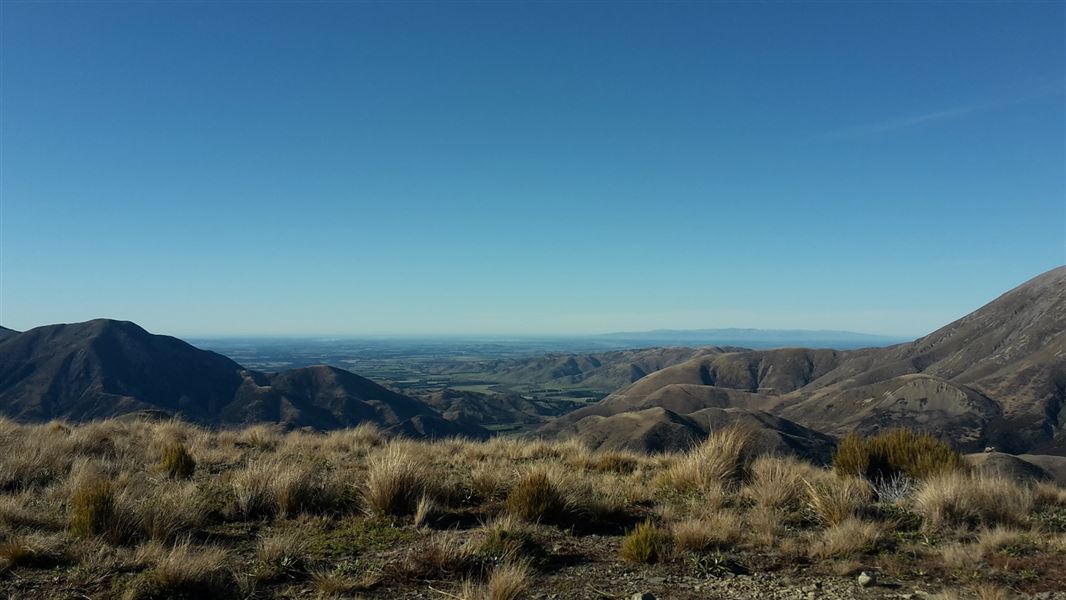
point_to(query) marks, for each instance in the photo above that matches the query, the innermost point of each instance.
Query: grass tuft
(177, 463)
(646, 543)
(536, 498)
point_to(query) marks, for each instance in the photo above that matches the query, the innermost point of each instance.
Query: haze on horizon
(337, 169)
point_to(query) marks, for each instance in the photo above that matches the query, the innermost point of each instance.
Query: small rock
(642, 596)
(867, 579)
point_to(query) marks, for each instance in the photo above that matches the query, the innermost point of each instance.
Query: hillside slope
(105, 368)
(994, 377)
(606, 371)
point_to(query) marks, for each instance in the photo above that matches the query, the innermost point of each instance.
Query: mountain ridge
(105, 368)
(997, 376)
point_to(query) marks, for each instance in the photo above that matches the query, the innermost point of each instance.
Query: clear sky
(214, 168)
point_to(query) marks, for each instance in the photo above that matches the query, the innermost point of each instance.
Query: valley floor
(132, 510)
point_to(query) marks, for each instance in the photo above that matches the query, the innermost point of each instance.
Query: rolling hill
(106, 368)
(605, 371)
(994, 377)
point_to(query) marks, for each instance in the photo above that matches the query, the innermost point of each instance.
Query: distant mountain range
(105, 368)
(994, 377)
(752, 338)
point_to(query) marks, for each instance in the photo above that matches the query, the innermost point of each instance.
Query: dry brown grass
(536, 497)
(177, 463)
(92, 507)
(1048, 495)
(508, 582)
(846, 538)
(279, 555)
(779, 482)
(723, 460)
(186, 571)
(721, 529)
(396, 481)
(836, 499)
(102, 508)
(960, 499)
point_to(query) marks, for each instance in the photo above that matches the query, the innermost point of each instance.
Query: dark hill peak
(108, 368)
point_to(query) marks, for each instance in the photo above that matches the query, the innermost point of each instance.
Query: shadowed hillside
(106, 368)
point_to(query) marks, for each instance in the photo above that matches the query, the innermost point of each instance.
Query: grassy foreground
(136, 510)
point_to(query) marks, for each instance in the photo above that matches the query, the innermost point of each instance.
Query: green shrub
(893, 453)
(645, 544)
(177, 463)
(536, 498)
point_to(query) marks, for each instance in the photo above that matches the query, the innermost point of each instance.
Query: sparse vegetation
(349, 514)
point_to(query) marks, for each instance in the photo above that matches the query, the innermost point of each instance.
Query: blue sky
(356, 168)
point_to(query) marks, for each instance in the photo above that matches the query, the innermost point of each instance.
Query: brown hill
(658, 429)
(106, 368)
(605, 371)
(995, 377)
(463, 406)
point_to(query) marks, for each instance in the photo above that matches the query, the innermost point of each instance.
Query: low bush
(893, 453)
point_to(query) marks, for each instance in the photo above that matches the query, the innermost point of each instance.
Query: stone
(867, 579)
(642, 596)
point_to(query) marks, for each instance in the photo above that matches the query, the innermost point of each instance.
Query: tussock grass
(846, 538)
(447, 556)
(186, 571)
(92, 507)
(253, 491)
(719, 530)
(536, 498)
(396, 481)
(164, 511)
(32, 550)
(779, 482)
(836, 499)
(290, 508)
(507, 582)
(177, 463)
(279, 555)
(646, 543)
(965, 500)
(723, 460)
